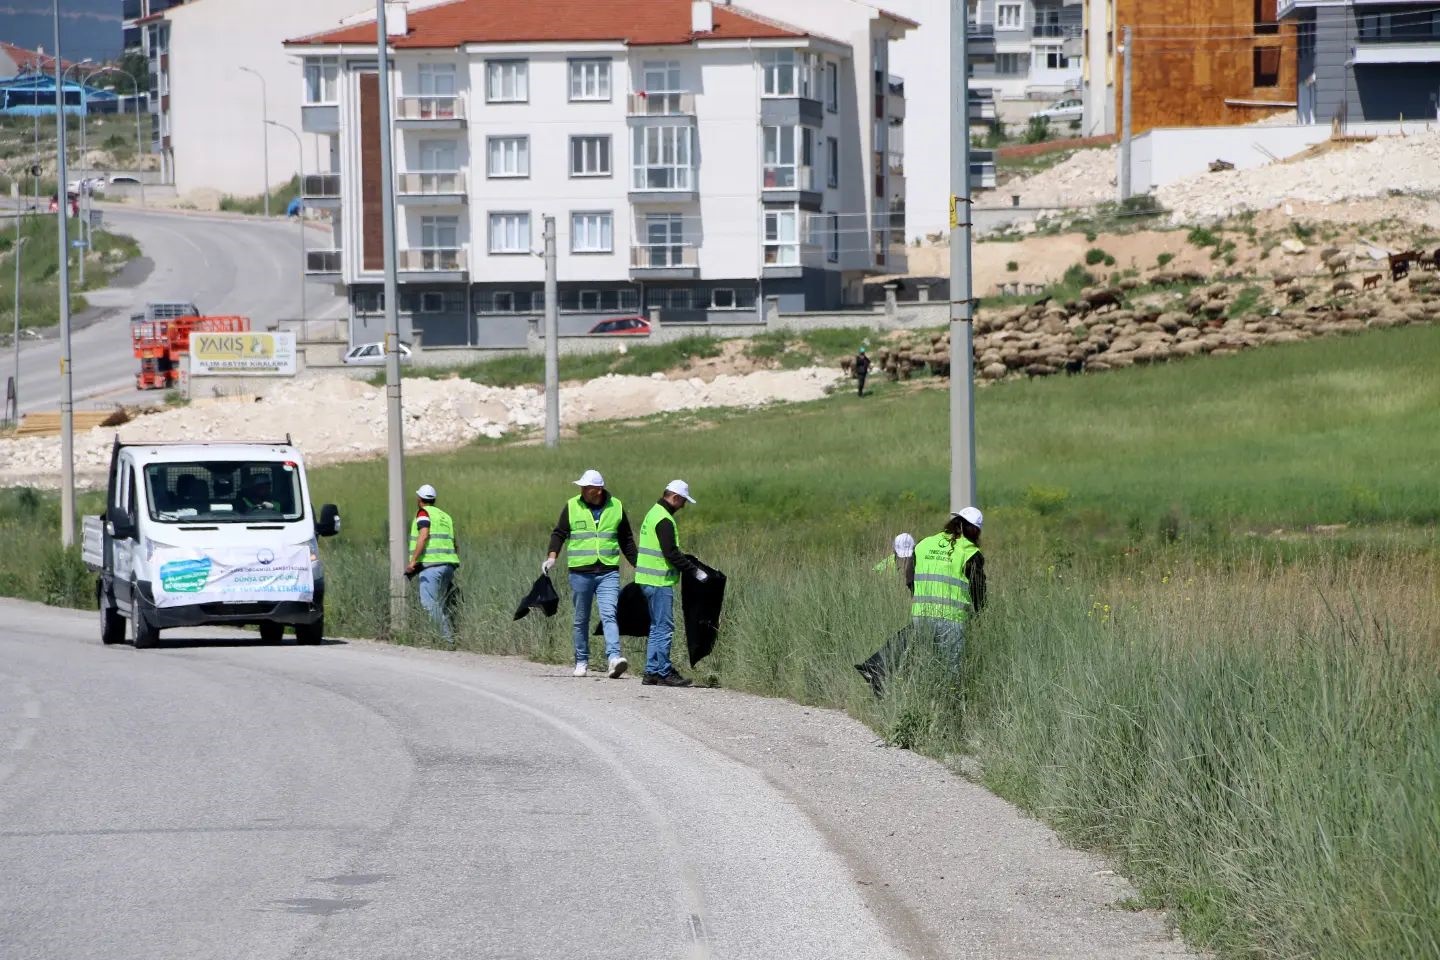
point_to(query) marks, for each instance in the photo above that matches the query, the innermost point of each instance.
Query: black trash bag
(632, 613)
(542, 595)
(702, 603)
(885, 661)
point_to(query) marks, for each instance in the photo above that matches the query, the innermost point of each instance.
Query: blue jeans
(604, 587)
(949, 637)
(661, 601)
(435, 585)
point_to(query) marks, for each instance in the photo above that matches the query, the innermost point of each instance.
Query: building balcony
(436, 112)
(1055, 31)
(666, 261)
(980, 40)
(791, 260)
(791, 111)
(982, 169)
(433, 264)
(895, 162)
(130, 10)
(432, 187)
(320, 117)
(324, 265)
(895, 107)
(663, 185)
(320, 189)
(982, 105)
(1394, 48)
(791, 184)
(660, 108)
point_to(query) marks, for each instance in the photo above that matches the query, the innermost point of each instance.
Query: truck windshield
(224, 492)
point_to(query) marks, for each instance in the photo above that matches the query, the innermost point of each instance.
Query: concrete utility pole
(399, 528)
(962, 306)
(67, 392)
(265, 134)
(304, 259)
(15, 379)
(1124, 177)
(552, 338)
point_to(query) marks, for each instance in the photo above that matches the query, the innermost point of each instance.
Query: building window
(660, 89)
(1009, 16)
(508, 157)
(1265, 20)
(432, 301)
(664, 240)
(1267, 66)
(832, 86)
(589, 79)
(1010, 64)
(832, 253)
(788, 157)
(502, 301)
(1055, 59)
(509, 233)
(790, 73)
(439, 233)
(722, 298)
(439, 156)
(507, 81)
(322, 80)
(832, 161)
(662, 159)
(437, 80)
(782, 238)
(589, 300)
(589, 156)
(592, 233)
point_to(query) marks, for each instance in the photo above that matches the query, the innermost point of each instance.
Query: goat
(1371, 280)
(1281, 280)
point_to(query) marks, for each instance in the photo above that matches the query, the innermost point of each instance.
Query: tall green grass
(40, 269)
(1179, 667)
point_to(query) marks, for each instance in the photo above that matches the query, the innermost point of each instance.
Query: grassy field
(40, 269)
(1211, 649)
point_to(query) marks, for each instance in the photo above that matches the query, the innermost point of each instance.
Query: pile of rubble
(1085, 178)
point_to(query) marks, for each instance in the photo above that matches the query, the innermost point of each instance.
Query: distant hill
(88, 28)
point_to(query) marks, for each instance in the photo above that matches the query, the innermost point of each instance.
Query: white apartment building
(698, 159)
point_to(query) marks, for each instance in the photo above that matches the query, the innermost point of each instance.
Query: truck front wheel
(112, 625)
(310, 633)
(271, 632)
(143, 633)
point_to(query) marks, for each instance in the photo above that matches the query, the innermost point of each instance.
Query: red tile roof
(633, 22)
(31, 60)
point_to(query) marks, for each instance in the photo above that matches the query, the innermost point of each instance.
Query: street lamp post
(135, 92)
(67, 393)
(75, 66)
(15, 380)
(304, 259)
(264, 134)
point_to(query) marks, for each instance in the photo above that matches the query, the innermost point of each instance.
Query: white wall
(215, 108)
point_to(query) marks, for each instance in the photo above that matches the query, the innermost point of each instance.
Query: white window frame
(595, 298)
(433, 230)
(513, 152)
(496, 297)
(782, 238)
(437, 80)
(664, 247)
(673, 152)
(511, 73)
(428, 156)
(322, 80)
(592, 147)
(512, 229)
(429, 305)
(1009, 16)
(592, 231)
(778, 68)
(590, 80)
(715, 303)
(787, 151)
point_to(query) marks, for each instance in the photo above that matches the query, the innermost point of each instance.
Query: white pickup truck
(199, 534)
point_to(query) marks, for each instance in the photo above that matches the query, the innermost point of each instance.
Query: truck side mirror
(329, 524)
(122, 525)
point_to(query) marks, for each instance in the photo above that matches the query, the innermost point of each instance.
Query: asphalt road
(224, 265)
(214, 798)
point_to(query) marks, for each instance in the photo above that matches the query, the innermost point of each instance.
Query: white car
(1062, 111)
(90, 185)
(373, 353)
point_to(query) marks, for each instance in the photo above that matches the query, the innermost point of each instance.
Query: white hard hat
(679, 488)
(590, 478)
(973, 516)
(904, 545)
(426, 492)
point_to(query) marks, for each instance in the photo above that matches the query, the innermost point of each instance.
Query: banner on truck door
(233, 575)
(231, 354)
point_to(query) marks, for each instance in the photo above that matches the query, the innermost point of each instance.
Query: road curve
(215, 798)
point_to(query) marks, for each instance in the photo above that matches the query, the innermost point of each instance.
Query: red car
(622, 327)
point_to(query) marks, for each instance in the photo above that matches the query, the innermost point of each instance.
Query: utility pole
(67, 393)
(15, 380)
(1124, 177)
(395, 419)
(304, 259)
(265, 129)
(962, 306)
(552, 339)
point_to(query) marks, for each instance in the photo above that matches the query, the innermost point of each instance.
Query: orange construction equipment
(159, 345)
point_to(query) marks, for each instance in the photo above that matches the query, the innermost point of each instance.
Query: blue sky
(88, 28)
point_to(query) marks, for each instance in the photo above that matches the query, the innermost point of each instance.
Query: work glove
(701, 575)
(546, 566)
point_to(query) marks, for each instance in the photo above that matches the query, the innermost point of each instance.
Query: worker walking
(434, 557)
(659, 568)
(862, 369)
(595, 524)
(901, 561)
(949, 582)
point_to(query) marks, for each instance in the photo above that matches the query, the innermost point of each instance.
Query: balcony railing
(322, 261)
(662, 104)
(433, 259)
(793, 254)
(787, 177)
(1055, 31)
(664, 256)
(896, 163)
(896, 107)
(675, 179)
(432, 183)
(451, 107)
(321, 186)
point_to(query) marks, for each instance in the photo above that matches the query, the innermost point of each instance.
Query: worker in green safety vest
(949, 581)
(901, 561)
(658, 569)
(598, 531)
(434, 558)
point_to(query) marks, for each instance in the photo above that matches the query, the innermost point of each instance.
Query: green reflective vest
(651, 567)
(942, 591)
(887, 565)
(440, 547)
(592, 541)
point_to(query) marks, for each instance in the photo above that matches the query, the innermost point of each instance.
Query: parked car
(89, 185)
(622, 327)
(373, 353)
(125, 179)
(1062, 111)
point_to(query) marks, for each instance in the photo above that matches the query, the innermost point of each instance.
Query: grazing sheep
(1281, 280)
(1341, 287)
(1337, 263)
(1295, 293)
(1101, 298)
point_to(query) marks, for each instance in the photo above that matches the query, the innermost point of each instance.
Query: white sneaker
(581, 669)
(618, 666)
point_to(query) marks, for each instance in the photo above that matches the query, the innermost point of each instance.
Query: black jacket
(561, 533)
(665, 533)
